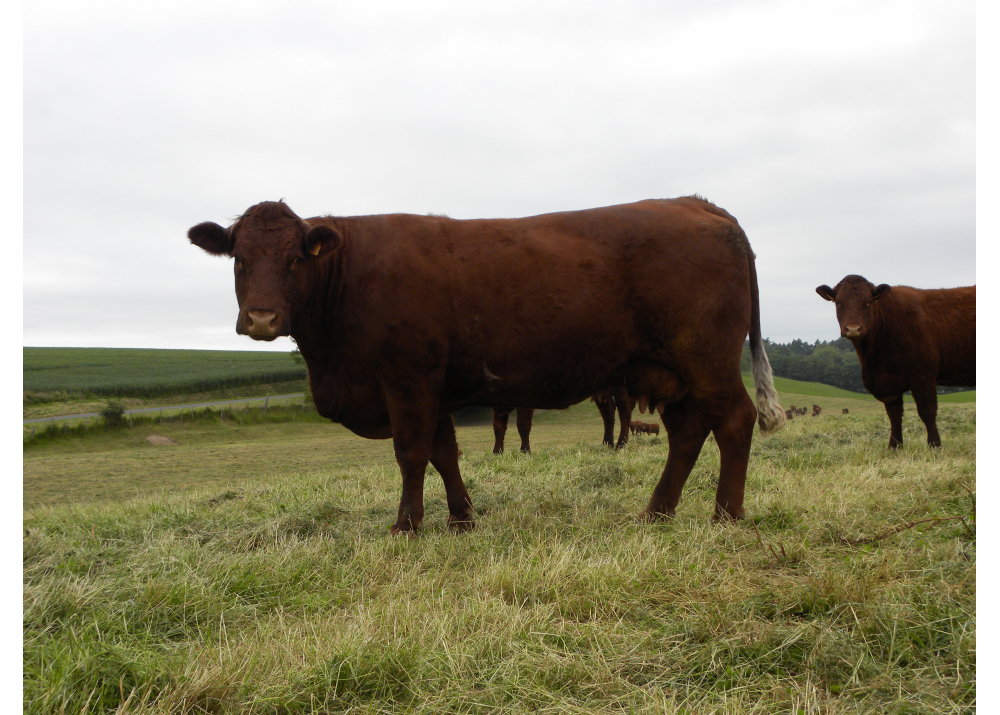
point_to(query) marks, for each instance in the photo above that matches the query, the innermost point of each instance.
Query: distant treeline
(124, 372)
(830, 363)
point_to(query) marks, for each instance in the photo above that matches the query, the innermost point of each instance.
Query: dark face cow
(404, 319)
(908, 339)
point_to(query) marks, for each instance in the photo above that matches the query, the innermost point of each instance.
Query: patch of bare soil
(159, 440)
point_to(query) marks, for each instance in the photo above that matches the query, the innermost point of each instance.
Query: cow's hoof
(726, 518)
(655, 517)
(404, 529)
(460, 526)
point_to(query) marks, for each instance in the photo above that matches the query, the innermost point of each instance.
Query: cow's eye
(297, 260)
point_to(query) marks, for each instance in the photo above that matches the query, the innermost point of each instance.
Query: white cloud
(842, 135)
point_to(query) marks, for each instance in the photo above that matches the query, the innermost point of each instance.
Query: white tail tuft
(770, 416)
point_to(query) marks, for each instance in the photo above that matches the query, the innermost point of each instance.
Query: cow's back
(950, 316)
(931, 331)
(561, 300)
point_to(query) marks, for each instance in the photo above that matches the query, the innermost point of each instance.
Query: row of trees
(830, 363)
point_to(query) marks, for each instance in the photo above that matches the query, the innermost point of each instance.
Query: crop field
(51, 373)
(247, 568)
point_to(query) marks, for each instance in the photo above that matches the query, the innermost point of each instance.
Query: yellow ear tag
(315, 249)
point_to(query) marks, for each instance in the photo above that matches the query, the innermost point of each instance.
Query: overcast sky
(840, 134)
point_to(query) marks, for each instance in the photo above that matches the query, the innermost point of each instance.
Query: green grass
(50, 373)
(253, 573)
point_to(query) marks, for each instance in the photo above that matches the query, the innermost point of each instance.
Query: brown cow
(607, 402)
(908, 339)
(844, 411)
(816, 410)
(404, 319)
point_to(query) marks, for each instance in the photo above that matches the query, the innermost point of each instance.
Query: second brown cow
(908, 339)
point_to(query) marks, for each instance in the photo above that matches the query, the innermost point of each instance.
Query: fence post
(266, 397)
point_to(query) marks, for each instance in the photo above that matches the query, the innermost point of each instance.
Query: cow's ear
(826, 292)
(880, 291)
(322, 239)
(212, 238)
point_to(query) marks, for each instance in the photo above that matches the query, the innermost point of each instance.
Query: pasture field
(60, 374)
(248, 569)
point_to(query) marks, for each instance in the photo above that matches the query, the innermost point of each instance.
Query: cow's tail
(770, 416)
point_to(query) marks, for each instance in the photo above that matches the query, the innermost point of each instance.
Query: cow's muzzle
(853, 331)
(261, 324)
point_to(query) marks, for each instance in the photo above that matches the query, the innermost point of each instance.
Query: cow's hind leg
(413, 414)
(444, 457)
(500, 415)
(686, 433)
(524, 415)
(734, 435)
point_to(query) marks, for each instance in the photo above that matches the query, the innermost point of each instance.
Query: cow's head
(275, 255)
(854, 297)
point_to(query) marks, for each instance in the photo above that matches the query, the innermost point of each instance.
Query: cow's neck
(876, 347)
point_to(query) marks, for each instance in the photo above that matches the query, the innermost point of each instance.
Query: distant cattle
(644, 427)
(816, 410)
(789, 414)
(844, 411)
(608, 401)
(404, 319)
(908, 339)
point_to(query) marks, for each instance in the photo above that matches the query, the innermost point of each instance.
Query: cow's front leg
(444, 457)
(925, 395)
(524, 415)
(894, 408)
(413, 415)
